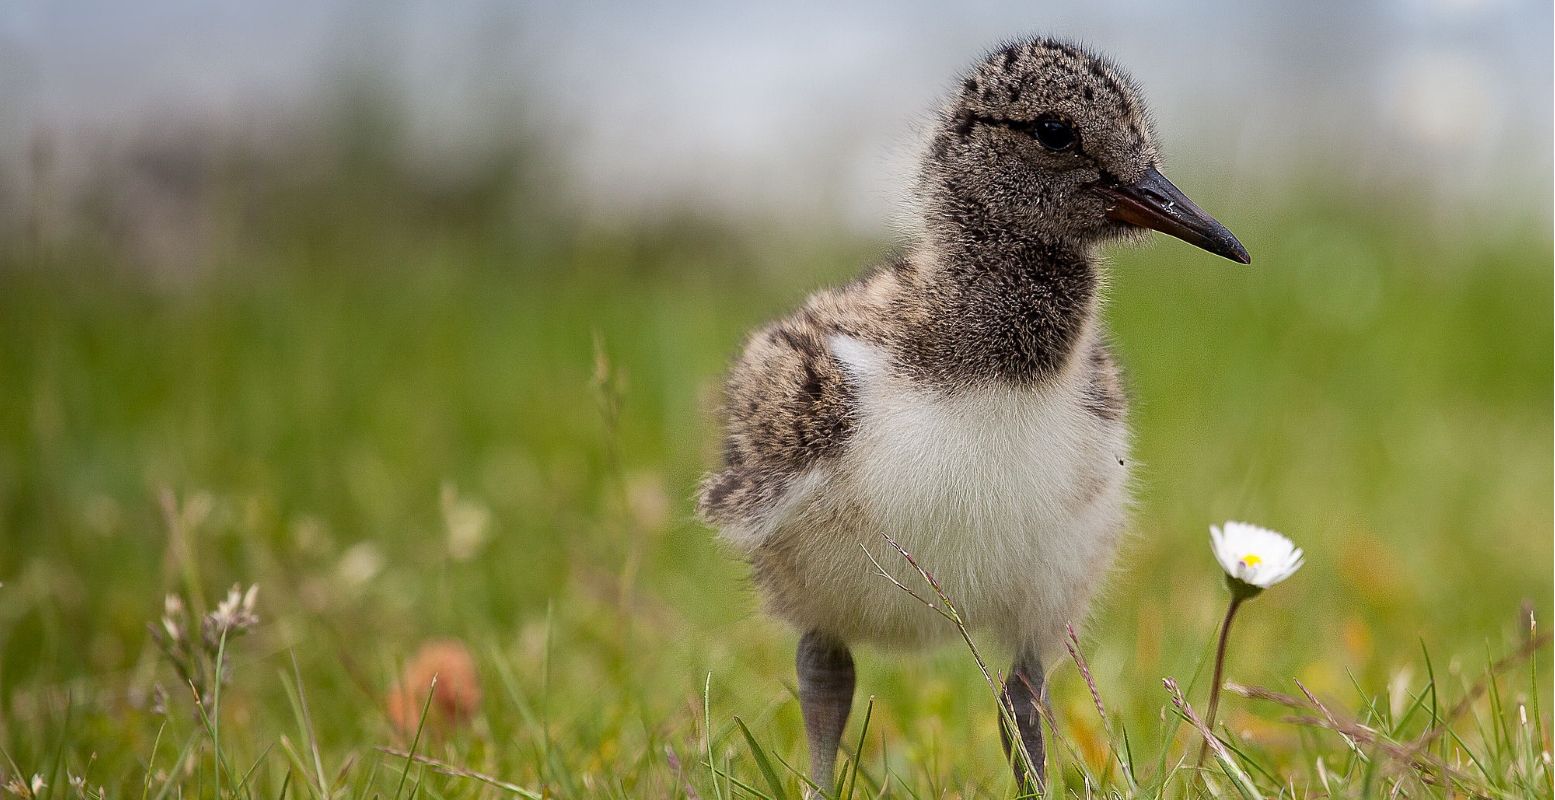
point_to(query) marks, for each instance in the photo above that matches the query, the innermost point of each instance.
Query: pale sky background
(788, 110)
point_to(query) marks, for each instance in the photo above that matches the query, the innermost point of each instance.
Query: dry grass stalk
(1233, 770)
(1431, 769)
(947, 609)
(1315, 714)
(1524, 652)
(1072, 642)
(462, 772)
(1073, 645)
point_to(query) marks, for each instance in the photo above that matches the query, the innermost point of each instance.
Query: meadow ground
(407, 429)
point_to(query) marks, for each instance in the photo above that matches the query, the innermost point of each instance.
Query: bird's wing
(787, 409)
(1105, 395)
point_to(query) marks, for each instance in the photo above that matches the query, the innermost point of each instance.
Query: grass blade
(858, 754)
(410, 757)
(763, 763)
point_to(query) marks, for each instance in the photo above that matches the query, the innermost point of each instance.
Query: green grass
(314, 411)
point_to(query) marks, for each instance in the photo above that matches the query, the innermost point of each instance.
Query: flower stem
(1220, 666)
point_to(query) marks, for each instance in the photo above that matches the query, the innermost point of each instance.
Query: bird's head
(1049, 139)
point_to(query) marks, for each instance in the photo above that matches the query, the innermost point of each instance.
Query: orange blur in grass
(455, 699)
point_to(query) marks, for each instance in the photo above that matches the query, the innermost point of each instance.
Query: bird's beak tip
(1153, 202)
(1236, 252)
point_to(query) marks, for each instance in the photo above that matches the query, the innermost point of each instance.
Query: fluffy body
(960, 398)
(1012, 493)
(1012, 496)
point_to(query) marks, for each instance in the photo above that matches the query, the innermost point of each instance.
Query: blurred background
(796, 114)
(414, 313)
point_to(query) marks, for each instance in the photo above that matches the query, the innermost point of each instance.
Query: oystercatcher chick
(961, 398)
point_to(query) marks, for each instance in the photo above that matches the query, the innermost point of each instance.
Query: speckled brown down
(960, 398)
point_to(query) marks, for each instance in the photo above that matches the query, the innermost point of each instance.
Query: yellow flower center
(1251, 560)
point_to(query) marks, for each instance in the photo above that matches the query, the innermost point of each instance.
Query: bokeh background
(413, 314)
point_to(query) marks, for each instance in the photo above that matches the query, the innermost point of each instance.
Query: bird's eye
(1055, 134)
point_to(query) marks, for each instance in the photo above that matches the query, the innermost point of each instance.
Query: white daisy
(1255, 557)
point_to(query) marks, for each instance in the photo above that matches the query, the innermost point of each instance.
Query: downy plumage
(962, 397)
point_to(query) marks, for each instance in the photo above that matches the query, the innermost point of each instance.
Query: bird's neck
(1002, 304)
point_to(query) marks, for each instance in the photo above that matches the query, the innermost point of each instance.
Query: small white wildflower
(38, 785)
(468, 524)
(360, 564)
(1254, 558)
(1398, 690)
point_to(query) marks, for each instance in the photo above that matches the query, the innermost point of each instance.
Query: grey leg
(825, 697)
(1025, 689)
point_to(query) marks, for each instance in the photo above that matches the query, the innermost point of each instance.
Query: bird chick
(960, 398)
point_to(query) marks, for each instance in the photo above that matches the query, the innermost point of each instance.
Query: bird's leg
(1025, 690)
(825, 697)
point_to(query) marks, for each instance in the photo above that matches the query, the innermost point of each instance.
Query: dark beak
(1155, 203)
